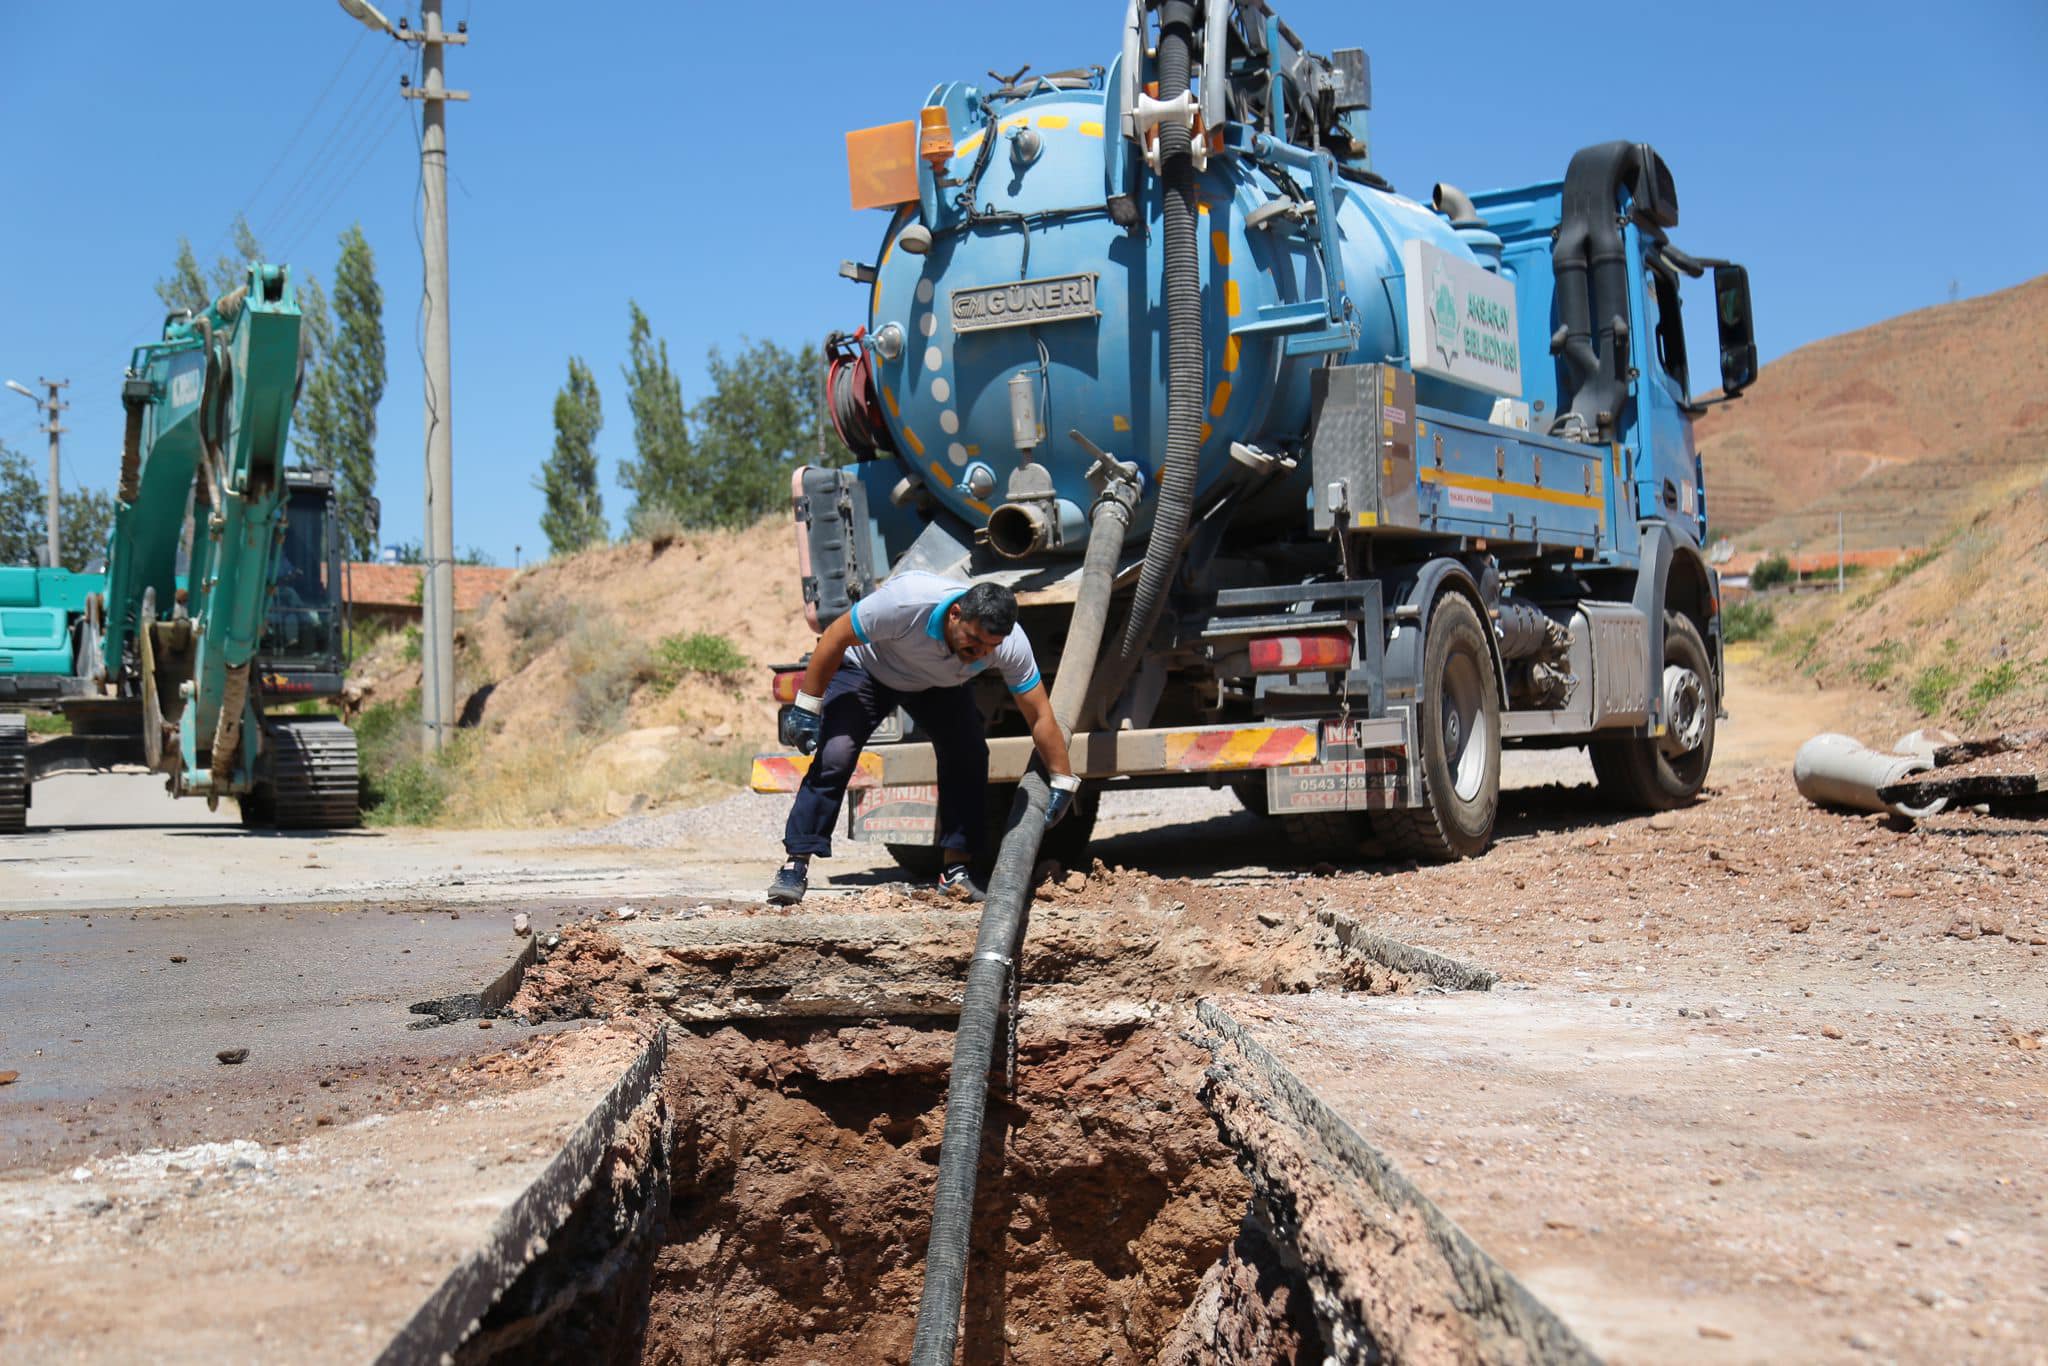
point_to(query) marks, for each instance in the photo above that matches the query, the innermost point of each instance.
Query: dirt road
(1759, 1079)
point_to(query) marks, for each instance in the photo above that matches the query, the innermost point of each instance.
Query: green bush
(399, 785)
(1769, 573)
(535, 622)
(1746, 620)
(1931, 689)
(412, 644)
(1878, 662)
(604, 668)
(700, 652)
(1906, 568)
(2000, 679)
(659, 526)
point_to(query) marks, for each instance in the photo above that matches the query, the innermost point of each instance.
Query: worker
(918, 642)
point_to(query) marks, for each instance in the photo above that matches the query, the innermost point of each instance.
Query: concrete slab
(1579, 1180)
(387, 1238)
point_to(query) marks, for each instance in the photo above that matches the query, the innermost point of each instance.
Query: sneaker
(792, 880)
(957, 883)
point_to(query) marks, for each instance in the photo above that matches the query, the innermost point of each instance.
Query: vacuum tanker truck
(1369, 487)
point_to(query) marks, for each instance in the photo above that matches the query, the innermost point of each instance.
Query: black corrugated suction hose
(1009, 886)
(1186, 366)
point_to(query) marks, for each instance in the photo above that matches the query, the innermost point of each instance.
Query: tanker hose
(1186, 369)
(995, 947)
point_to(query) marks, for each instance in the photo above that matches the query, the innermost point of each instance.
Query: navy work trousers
(855, 703)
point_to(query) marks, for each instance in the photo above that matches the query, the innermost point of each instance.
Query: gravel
(759, 816)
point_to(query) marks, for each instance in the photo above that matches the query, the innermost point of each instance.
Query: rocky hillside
(1900, 426)
(598, 683)
(1956, 633)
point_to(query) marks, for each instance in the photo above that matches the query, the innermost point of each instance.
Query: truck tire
(1251, 793)
(13, 773)
(1457, 749)
(1645, 773)
(918, 860)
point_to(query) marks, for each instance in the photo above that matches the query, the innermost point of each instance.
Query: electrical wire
(359, 104)
(365, 133)
(367, 151)
(227, 233)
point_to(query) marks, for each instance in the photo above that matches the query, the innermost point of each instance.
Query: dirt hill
(601, 682)
(1900, 426)
(1955, 633)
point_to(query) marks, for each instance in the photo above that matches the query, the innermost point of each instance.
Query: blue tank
(948, 347)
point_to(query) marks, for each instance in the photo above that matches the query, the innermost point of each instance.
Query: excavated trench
(772, 1201)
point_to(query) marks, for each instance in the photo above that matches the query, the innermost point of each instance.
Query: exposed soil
(1850, 422)
(803, 1172)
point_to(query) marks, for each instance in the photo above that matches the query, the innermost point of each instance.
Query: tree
(88, 518)
(337, 426)
(758, 422)
(21, 510)
(575, 505)
(667, 473)
(87, 515)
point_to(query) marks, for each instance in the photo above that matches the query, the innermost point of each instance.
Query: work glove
(1061, 799)
(806, 723)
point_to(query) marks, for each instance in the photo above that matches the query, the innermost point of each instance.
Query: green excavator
(222, 602)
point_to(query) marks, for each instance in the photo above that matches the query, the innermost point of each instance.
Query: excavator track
(314, 779)
(13, 773)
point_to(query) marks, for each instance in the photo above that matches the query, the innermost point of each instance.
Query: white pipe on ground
(1838, 770)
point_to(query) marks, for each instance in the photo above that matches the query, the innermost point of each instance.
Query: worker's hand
(1061, 800)
(806, 722)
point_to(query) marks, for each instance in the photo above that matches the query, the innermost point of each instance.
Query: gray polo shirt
(901, 630)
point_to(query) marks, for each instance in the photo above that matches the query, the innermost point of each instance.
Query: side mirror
(1738, 329)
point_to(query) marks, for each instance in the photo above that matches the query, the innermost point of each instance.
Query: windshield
(305, 610)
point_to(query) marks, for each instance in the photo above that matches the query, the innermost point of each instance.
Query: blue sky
(1861, 159)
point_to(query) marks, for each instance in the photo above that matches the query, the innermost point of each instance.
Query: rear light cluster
(787, 681)
(1311, 650)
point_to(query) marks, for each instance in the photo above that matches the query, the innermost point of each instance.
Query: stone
(1708, 1330)
(1829, 1031)
(1076, 882)
(521, 925)
(177, 958)
(1957, 1238)
(1271, 919)
(1799, 924)
(1664, 820)
(1990, 925)
(626, 913)
(9, 1078)
(231, 1056)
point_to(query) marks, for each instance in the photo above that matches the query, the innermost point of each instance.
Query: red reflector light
(1294, 654)
(786, 684)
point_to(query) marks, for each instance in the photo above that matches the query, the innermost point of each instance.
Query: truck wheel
(918, 860)
(13, 773)
(1251, 793)
(1457, 749)
(1647, 773)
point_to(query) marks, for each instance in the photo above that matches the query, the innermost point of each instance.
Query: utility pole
(437, 535)
(53, 539)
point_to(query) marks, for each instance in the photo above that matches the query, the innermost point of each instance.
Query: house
(389, 594)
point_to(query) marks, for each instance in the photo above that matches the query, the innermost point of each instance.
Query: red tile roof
(395, 587)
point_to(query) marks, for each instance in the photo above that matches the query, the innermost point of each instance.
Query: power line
(359, 104)
(226, 233)
(365, 150)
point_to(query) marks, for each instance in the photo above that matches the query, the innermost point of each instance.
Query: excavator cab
(304, 647)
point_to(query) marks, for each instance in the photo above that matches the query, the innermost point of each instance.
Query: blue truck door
(1666, 465)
